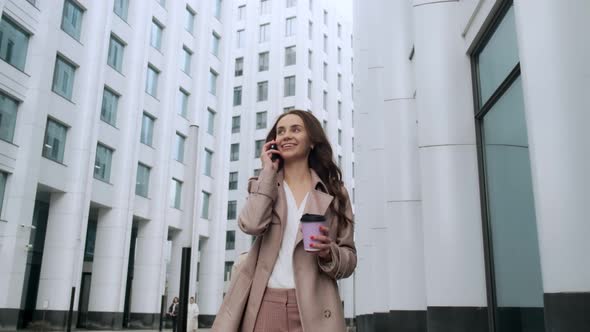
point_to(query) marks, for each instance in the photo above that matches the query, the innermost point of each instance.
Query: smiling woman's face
(292, 138)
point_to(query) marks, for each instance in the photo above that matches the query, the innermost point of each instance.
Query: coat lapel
(318, 201)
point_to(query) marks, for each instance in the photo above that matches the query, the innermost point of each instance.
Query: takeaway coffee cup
(310, 225)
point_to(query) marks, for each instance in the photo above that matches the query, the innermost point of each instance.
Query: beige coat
(264, 215)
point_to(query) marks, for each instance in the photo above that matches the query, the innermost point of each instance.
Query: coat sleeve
(256, 215)
(342, 249)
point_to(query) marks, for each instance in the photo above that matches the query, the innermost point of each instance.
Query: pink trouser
(278, 312)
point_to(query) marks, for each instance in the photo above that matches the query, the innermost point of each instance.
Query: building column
(554, 53)
(109, 269)
(453, 241)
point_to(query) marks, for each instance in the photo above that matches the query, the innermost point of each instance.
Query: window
(63, 78)
(183, 97)
(339, 82)
(263, 59)
(120, 8)
(290, 26)
(289, 86)
(288, 108)
(175, 193)
(13, 48)
(309, 58)
(189, 24)
(290, 56)
(241, 12)
(263, 33)
(213, 82)
(147, 129)
(233, 180)
(102, 163)
(325, 72)
(205, 205)
(162, 3)
(239, 68)
(309, 89)
(291, 3)
(186, 63)
(257, 171)
(151, 83)
(325, 100)
(339, 110)
(71, 21)
(352, 146)
(262, 92)
(264, 7)
(325, 44)
(234, 154)
(207, 162)
(235, 124)
(3, 179)
(108, 110)
(241, 38)
(237, 96)
(217, 10)
(310, 30)
(261, 120)
(310, 5)
(352, 118)
(178, 153)
(227, 271)
(156, 35)
(339, 30)
(325, 125)
(339, 55)
(115, 57)
(353, 166)
(325, 17)
(232, 209)
(258, 147)
(8, 109)
(340, 161)
(143, 180)
(230, 240)
(210, 121)
(339, 136)
(215, 39)
(55, 141)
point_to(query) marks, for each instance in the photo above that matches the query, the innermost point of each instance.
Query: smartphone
(274, 156)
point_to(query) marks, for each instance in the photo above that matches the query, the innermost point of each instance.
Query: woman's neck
(297, 172)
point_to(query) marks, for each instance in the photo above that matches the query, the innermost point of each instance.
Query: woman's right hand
(267, 152)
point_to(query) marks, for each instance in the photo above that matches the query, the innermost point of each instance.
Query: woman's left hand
(323, 243)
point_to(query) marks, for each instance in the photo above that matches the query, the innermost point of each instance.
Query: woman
(193, 316)
(173, 312)
(280, 285)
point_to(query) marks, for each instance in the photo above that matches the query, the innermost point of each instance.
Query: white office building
(118, 120)
(474, 206)
(286, 54)
(112, 157)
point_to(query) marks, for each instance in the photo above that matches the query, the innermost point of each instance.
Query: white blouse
(282, 273)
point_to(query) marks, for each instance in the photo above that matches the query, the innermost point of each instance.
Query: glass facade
(512, 248)
(142, 183)
(14, 43)
(108, 110)
(8, 109)
(102, 163)
(55, 141)
(71, 21)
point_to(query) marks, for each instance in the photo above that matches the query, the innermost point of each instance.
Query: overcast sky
(344, 6)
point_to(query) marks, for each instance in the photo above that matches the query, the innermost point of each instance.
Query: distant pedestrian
(193, 316)
(173, 313)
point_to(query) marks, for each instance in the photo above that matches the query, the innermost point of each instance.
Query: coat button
(327, 313)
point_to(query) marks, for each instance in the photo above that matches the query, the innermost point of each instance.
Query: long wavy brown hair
(320, 160)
